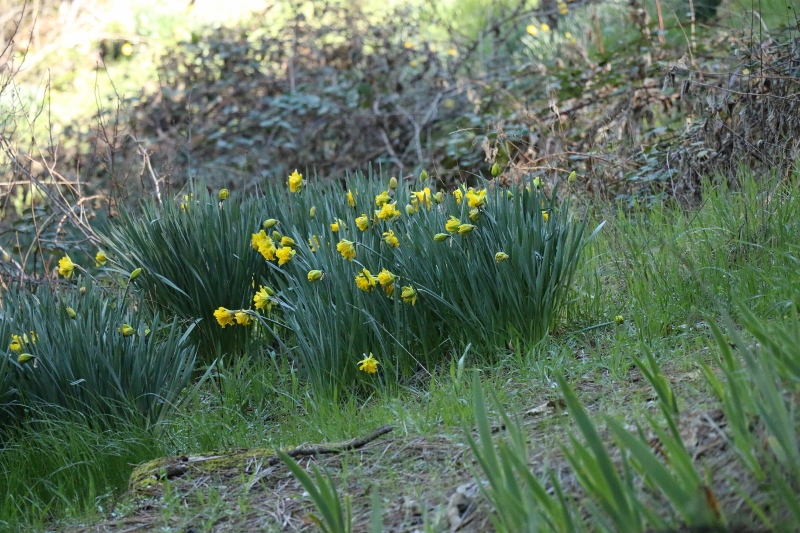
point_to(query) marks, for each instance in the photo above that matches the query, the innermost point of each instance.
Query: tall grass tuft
(55, 466)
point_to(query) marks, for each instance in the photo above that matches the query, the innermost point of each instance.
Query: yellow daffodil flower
(422, 197)
(459, 195)
(409, 295)
(101, 258)
(284, 255)
(288, 241)
(126, 330)
(243, 318)
(382, 199)
(476, 198)
(315, 275)
(351, 201)
(390, 239)
(366, 281)
(452, 224)
(223, 194)
(347, 249)
(225, 317)
(295, 182)
(262, 299)
(545, 216)
(388, 211)
(368, 364)
(66, 266)
(500, 257)
(362, 222)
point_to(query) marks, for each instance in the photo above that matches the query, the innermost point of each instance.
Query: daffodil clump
(402, 269)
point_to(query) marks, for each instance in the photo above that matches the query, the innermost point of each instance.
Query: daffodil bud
(439, 197)
(223, 194)
(126, 330)
(393, 183)
(500, 257)
(618, 319)
(474, 214)
(135, 274)
(71, 312)
(269, 223)
(572, 177)
(537, 182)
(463, 229)
(509, 195)
(313, 211)
(276, 235)
(440, 237)
(82, 290)
(288, 241)
(24, 358)
(423, 175)
(495, 170)
(315, 275)
(410, 209)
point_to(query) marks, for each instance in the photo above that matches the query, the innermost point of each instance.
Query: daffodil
(368, 364)
(101, 258)
(410, 209)
(284, 255)
(223, 194)
(537, 182)
(387, 279)
(388, 211)
(476, 198)
(225, 317)
(409, 295)
(312, 212)
(336, 226)
(382, 199)
(500, 257)
(66, 266)
(545, 216)
(619, 319)
(288, 241)
(458, 195)
(572, 177)
(351, 201)
(295, 182)
(362, 222)
(313, 244)
(474, 214)
(262, 299)
(441, 237)
(264, 244)
(422, 197)
(347, 249)
(366, 281)
(315, 275)
(452, 224)
(390, 239)
(26, 357)
(71, 313)
(423, 175)
(243, 318)
(17, 343)
(269, 223)
(392, 182)
(463, 229)
(126, 330)
(438, 197)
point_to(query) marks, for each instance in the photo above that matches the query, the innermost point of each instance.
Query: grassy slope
(666, 271)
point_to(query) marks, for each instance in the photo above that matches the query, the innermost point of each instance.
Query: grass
(689, 283)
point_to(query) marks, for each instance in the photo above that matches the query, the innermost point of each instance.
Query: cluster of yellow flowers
(265, 245)
(263, 299)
